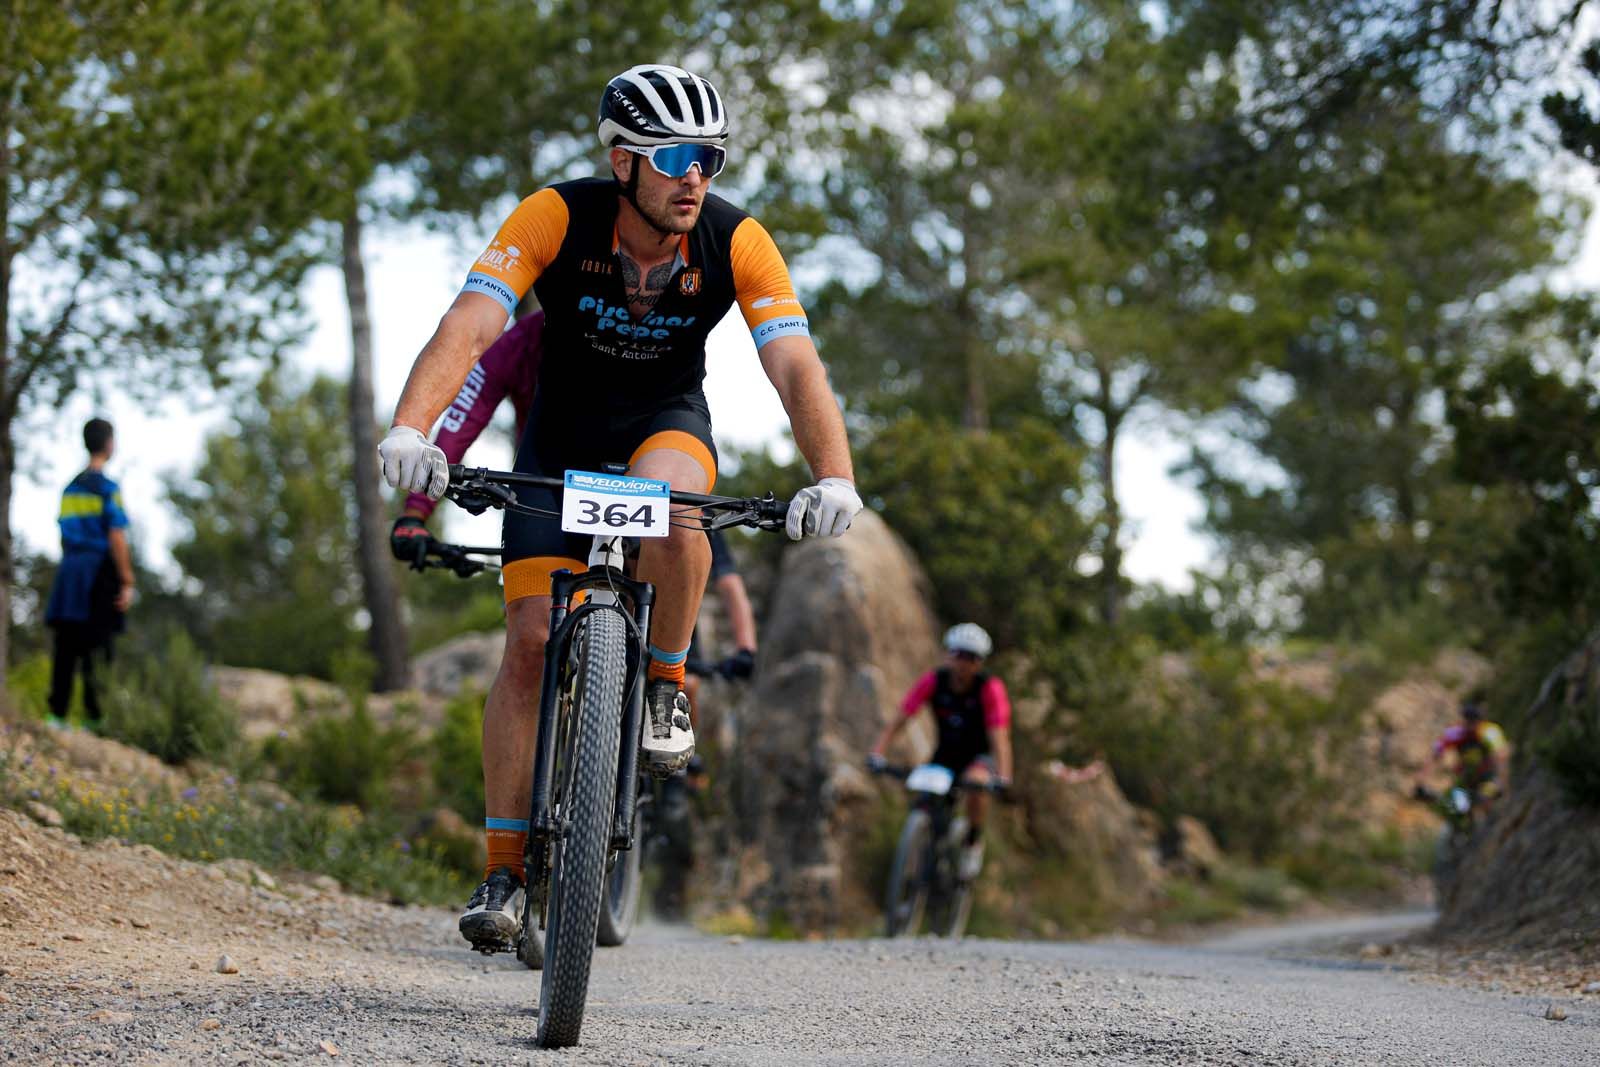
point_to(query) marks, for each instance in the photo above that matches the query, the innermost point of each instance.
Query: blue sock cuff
(519, 825)
(668, 658)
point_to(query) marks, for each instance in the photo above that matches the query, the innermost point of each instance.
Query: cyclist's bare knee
(686, 474)
(527, 630)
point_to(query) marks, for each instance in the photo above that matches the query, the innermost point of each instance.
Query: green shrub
(1572, 753)
(342, 756)
(366, 854)
(1257, 761)
(28, 685)
(165, 705)
(456, 762)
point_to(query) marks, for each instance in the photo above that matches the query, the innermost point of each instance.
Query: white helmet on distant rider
(970, 638)
(656, 104)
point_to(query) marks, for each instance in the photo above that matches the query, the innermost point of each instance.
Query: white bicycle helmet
(657, 104)
(968, 637)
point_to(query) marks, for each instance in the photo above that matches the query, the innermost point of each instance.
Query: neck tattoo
(644, 289)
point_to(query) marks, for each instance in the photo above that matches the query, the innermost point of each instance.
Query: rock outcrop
(1531, 875)
(848, 630)
(266, 701)
(462, 664)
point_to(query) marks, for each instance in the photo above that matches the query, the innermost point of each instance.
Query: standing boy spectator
(94, 585)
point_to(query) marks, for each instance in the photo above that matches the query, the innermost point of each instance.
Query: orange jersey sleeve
(762, 287)
(525, 245)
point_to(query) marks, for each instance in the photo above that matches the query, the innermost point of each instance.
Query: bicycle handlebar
(894, 770)
(477, 489)
(457, 558)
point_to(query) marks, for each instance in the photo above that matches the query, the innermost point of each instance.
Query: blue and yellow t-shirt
(91, 507)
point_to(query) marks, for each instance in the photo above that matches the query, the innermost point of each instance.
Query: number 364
(614, 514)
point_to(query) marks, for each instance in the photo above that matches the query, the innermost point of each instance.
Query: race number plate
(615, 505)
(931, 778)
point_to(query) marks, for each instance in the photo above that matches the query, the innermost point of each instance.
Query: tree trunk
(387, 634)
(975, 402)
(1111, 550)
(7, 405)
(8, 466)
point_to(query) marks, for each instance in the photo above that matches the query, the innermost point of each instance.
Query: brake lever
(477, 496)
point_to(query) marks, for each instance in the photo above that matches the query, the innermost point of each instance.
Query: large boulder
(848, 631)
(1084, 818)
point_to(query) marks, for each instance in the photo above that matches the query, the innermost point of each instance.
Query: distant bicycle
(925, 882)
(664, 822)
(1460, 807)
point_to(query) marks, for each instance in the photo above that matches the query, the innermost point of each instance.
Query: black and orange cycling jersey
(612, 387)
(562, 242)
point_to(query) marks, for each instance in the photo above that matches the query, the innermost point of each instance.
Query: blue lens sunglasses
(674, 160)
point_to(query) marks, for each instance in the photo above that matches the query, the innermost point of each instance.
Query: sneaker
(971, 861)
(493, 917)
(668, 736)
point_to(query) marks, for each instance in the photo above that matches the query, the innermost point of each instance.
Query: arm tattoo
(643, 294)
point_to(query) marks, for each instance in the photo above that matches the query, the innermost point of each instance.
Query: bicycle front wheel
(908, 878)
(587, 767)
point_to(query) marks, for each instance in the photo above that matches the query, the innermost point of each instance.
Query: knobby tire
(957, 905)
(622, 887)
(908, 877)
(577, 877)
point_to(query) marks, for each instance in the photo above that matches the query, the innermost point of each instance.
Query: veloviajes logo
(612, 483)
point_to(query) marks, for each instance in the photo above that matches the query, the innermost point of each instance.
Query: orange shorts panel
(531, 576)
(681, 441)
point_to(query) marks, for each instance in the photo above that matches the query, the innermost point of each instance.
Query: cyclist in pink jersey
(509, 369)
(973, 714)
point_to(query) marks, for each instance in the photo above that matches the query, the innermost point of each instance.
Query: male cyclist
(973, 714)
(632, 273)
(1477, 751)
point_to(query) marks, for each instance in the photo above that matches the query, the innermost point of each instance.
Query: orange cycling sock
(506, 839)
(666, 665)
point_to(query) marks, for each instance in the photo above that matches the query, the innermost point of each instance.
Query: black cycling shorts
(554, 443)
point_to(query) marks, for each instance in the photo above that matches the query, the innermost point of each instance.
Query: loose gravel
(326, 976)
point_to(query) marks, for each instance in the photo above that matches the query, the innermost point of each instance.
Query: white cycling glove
(413, 463)
(823, 510)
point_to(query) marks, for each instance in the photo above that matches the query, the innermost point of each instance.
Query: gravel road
(674, 996)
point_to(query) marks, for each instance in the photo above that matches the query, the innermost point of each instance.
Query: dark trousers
(78, 644)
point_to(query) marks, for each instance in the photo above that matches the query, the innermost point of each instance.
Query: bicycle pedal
(493, 948)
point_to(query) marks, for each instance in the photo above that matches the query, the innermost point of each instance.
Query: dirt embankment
(102, 945)
(1530, 880)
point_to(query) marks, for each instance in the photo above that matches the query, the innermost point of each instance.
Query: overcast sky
(412, 277)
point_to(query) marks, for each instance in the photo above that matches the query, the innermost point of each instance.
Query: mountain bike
(925, 880)
(1460, 806)
(665, 824)
(662, 825)
(585, 805)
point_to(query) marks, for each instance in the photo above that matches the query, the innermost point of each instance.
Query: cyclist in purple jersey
(509, 369)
